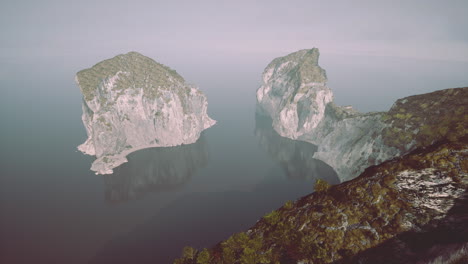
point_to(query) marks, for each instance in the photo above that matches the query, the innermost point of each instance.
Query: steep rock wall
(131, 102)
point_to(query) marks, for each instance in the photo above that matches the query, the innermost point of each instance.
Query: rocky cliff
(131, 102)
(401, 199)
(294, 94)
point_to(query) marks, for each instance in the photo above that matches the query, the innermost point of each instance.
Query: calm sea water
(53, 209)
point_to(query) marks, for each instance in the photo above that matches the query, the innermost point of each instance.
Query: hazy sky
(418, 29)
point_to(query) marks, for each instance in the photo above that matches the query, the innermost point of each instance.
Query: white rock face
(294, 94)
(131, 102)
(430, 189)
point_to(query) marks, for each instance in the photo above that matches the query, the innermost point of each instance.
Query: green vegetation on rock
(424, 119)
(306, 69)
(321, 185)
(204, 257)
(309, 69)
(340, 221)
(136, 71)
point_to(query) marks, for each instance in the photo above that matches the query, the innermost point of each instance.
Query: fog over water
(53, 209)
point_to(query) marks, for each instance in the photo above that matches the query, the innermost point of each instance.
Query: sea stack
(131, 102)
(295, 95)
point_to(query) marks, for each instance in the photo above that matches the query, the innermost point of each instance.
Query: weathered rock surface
(131, 102)
(413, 193)
(294, 94)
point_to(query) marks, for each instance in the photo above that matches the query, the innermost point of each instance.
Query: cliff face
(413, 193)
(294, 94)
(131, 102)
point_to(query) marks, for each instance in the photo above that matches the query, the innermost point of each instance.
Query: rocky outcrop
(131, 102)
(294, 94)
(417, 192)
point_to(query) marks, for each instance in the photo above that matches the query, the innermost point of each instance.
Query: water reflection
(198, 219)
(154, 170)
(294, 156)
(205, 217)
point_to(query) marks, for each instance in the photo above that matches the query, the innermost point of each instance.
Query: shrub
(189, 252)
(321, 185)
(204, 257)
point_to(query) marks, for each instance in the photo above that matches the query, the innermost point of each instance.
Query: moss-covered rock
(398, 196)
(421, 120)
(138, 71)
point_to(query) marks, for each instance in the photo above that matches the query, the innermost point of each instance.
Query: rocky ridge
(412, 193)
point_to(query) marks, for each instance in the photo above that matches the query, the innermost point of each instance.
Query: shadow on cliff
(155, 170)
(440, 241)
(293, 156)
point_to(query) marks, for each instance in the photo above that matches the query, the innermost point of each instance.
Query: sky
(383, 50)
(415, 29)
